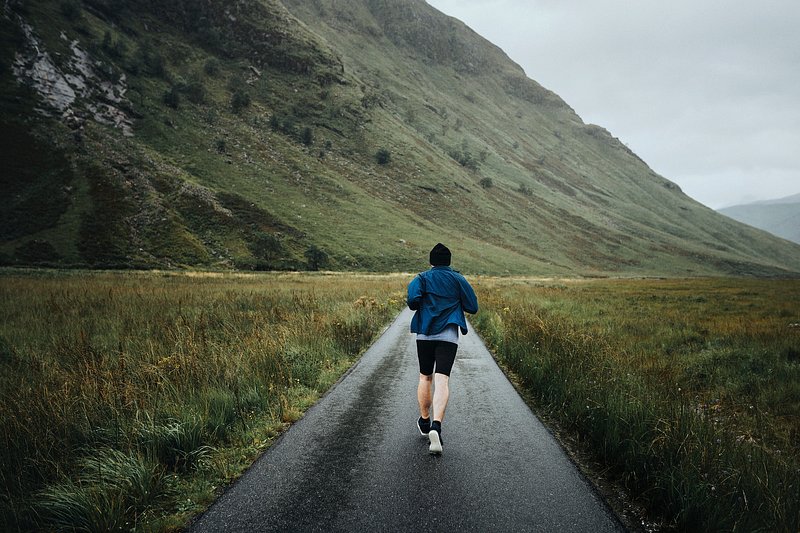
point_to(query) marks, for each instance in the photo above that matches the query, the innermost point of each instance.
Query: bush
(266, 246)
(383, 157)
(465, 159)
(71, 10)
(211, 66)
(115, 49)
(195, 92)
(151, 61)
(307, 136)
(239, 101)
(486, 183)
(172, 97)
(288, 126)
(36, 251)
(316, 258)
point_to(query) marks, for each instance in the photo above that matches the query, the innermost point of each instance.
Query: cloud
(705, 92)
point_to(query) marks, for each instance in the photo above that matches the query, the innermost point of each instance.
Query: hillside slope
(301, 135)
(779, 217)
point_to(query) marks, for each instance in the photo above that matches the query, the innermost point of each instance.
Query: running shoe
(435, 436)
(424, 425)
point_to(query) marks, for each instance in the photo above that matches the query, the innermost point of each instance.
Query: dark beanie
(440, 255)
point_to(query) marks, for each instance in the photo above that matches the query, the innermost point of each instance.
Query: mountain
(320, 134)
(779, 217)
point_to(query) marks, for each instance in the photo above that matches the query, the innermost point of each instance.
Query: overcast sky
(707, 92)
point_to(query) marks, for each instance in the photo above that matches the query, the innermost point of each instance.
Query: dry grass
(689, 390)
(127, 399)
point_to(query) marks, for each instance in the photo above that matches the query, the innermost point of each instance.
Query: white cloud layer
(706, 91)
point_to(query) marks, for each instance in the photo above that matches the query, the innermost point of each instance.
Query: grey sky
(707, 92)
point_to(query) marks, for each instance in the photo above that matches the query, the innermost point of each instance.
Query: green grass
(688, 391)
(128, 400)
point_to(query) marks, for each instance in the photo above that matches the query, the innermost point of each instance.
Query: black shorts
(442, 353)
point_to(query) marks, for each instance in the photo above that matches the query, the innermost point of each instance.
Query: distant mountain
(325, 134)
(793, 199)
(780, 217)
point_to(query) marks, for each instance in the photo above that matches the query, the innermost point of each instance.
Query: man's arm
(414, 293)
(469, 302)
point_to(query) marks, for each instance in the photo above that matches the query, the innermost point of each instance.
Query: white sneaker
(436, 442)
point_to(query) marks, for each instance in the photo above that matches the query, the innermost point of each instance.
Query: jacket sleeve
(469, 302)
(415, 290)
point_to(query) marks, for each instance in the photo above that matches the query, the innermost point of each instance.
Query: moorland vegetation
(128, 400)
(686, 392)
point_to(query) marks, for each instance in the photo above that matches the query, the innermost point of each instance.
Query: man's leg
(427, 360)
(445, 357)
(440, 395)
(424, 395)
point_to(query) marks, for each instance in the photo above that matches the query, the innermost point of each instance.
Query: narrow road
(356, 461)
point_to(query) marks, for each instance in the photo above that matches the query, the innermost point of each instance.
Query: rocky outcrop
(73, 89)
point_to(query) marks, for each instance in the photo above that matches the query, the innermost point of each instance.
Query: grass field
(128, 399)
(687, 391)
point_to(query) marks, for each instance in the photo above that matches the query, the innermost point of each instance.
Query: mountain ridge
(345, 135)
(791, 199)
(779, 217)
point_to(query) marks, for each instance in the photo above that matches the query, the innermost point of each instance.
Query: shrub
(316, 257)
(151, 61)
(36, 251)
(266, 246)
(307, 136)
(383, 157)
(274, 122)
(465, 159)
(211, 66)
(239, 101)
(525, 190)
(288, 126)
(486, 183)
(71, 10)
(172, 97)
(195, 92)
(115, 49)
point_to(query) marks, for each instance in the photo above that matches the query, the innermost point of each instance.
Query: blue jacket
(440, 296)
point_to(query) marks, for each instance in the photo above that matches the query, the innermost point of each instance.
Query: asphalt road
(356, 461)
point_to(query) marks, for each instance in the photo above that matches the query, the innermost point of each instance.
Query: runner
(440, 296)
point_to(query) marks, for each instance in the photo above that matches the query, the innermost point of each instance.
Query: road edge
(189, 525)
(628, 514)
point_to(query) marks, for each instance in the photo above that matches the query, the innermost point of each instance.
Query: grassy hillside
(320, 135)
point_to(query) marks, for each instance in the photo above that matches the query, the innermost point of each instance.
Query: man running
(440, 296)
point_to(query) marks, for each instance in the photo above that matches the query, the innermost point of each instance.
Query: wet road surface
(356, 461)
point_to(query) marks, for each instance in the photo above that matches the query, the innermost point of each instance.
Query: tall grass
(688, 390)
(127, 398)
